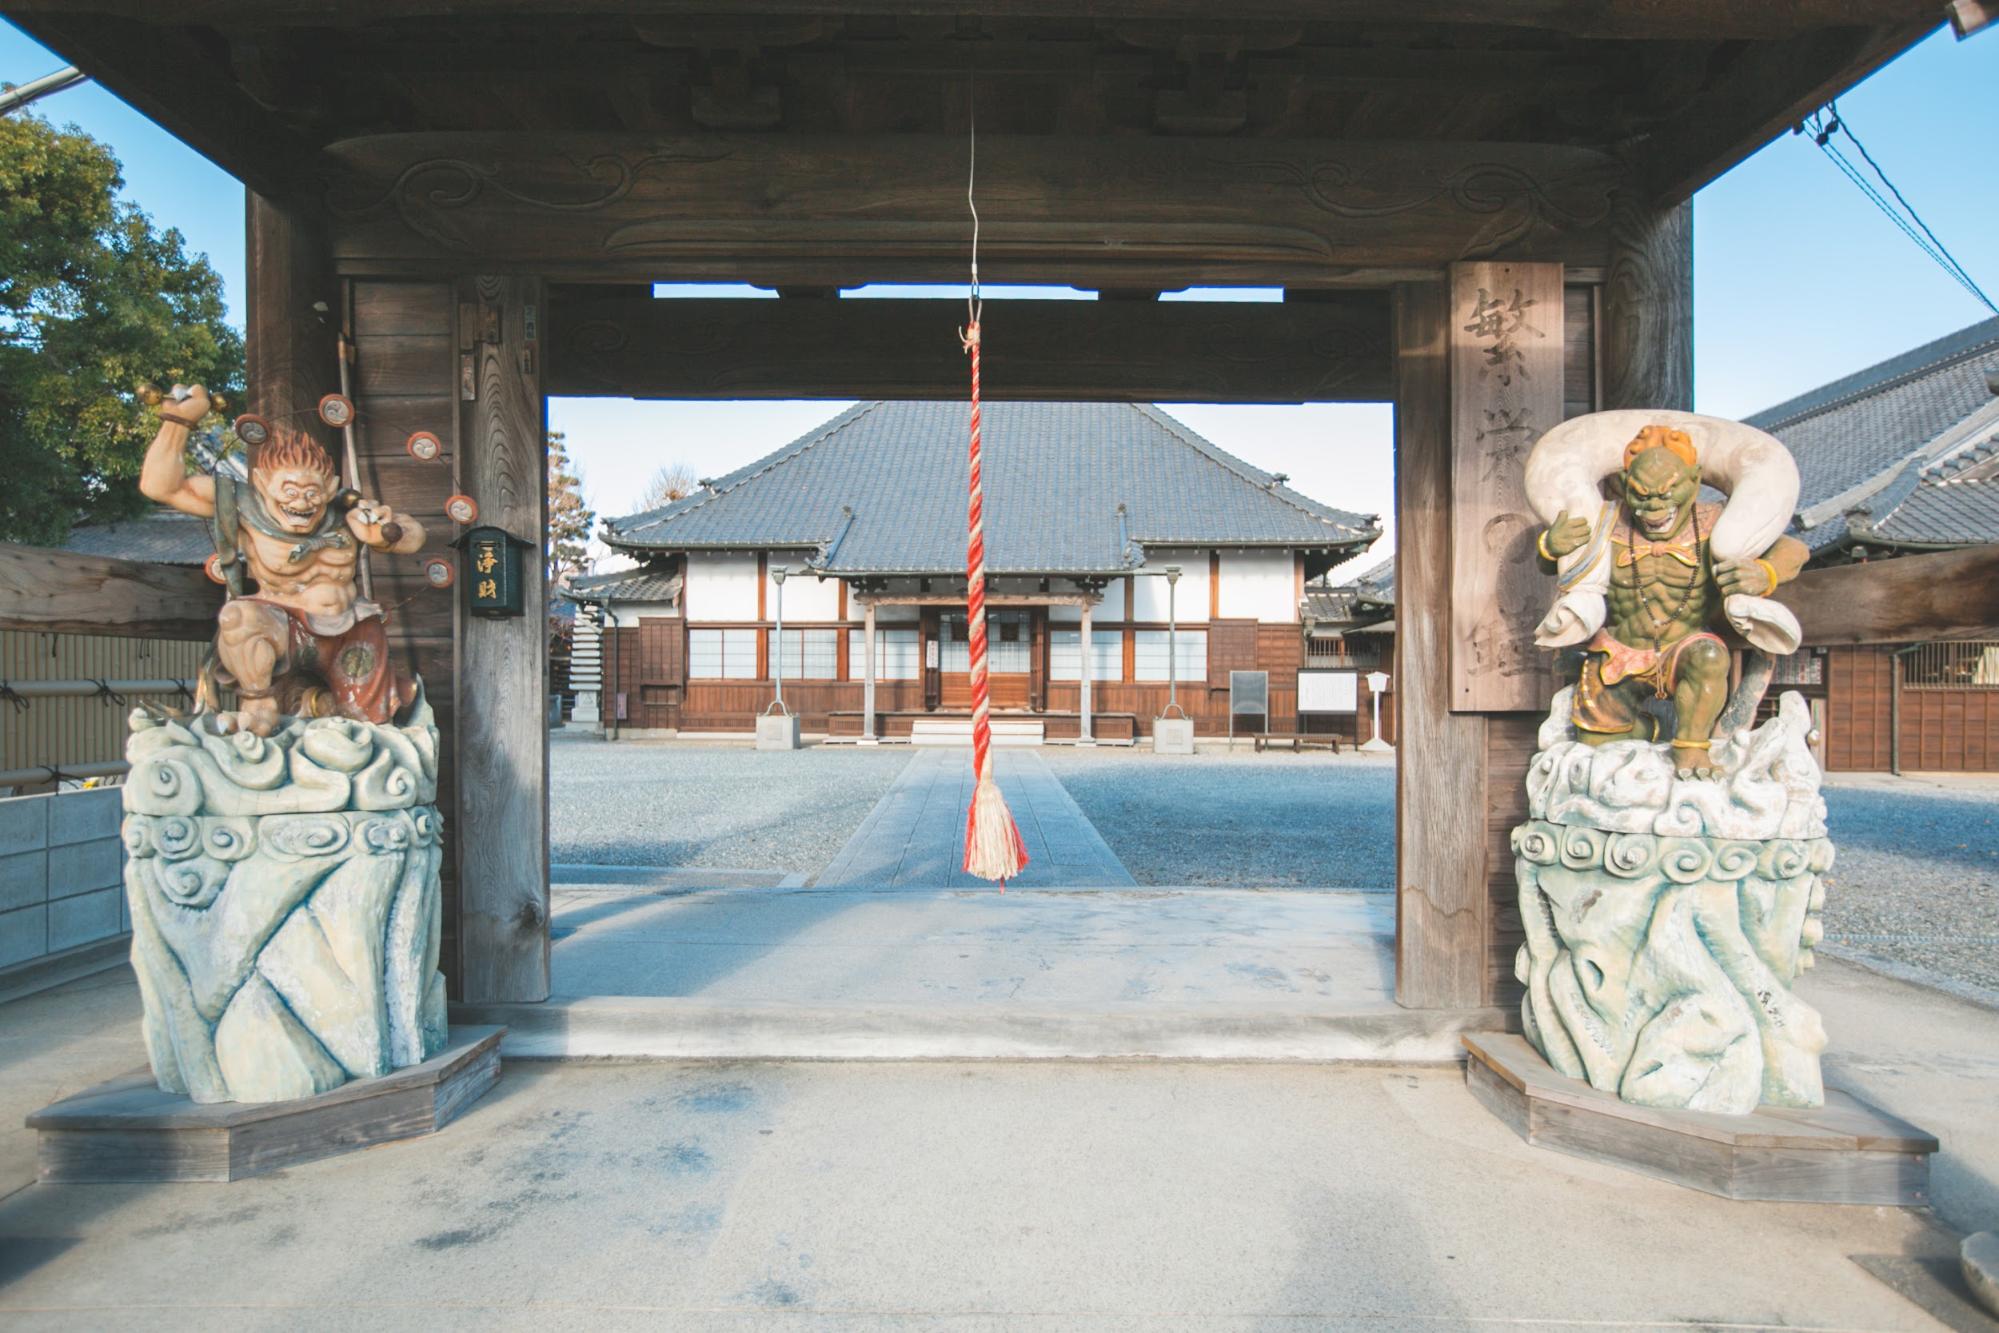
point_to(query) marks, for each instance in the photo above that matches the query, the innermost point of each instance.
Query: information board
(1328, 691)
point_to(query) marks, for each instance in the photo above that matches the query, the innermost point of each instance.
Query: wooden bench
(1297, 741)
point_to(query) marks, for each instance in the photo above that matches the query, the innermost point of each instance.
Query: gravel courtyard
(1917, 875)
(711, 806)
(1917, 880)
(1239, 819)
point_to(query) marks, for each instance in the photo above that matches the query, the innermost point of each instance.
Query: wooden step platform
(128, 1130)
(1843, 1152)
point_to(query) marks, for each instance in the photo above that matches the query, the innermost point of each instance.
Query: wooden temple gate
(1477, 212)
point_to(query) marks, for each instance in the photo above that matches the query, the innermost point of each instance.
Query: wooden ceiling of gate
(1689, 83)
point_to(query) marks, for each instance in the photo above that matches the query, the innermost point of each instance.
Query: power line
(1822, 126)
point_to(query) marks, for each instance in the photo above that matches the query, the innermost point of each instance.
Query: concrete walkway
(915, 837)
(777, 973)
(984, 1197)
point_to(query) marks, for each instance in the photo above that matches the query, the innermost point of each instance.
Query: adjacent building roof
(1901, 454)
(163, 537)
(624, 585)
(1356, 601)
(1070, 488)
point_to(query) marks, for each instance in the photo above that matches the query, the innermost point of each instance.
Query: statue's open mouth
(1660, 525)
(305, 514)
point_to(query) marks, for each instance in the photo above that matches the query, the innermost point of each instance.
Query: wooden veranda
(1477, 211)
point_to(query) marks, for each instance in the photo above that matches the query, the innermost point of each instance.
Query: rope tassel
(993, 849)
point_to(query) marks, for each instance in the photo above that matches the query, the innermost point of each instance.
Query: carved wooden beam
(1318, 351)
(1617, 18)
(1949, 595)
(838, 209)
(1768, 89)
(61, 592)
(186, 87)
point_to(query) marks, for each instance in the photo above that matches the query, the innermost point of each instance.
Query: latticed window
(722, 654)
(1065, 651)
(1965, 664)
(1149, 654)
(810, 654)
(897, 654)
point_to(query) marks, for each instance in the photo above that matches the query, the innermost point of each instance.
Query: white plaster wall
(626, 615)
(1110, 608)
(1148, 593)
(805, 596)
(720, 587)
(1259, 585)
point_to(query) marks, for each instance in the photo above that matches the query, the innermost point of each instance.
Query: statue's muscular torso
(1658, 600)
(320, 583)
(1668, 602)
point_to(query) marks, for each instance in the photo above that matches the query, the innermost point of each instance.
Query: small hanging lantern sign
(494, 586)
(424, 446)
(336, 410)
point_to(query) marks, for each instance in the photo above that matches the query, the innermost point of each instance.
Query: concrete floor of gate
(981, 1196)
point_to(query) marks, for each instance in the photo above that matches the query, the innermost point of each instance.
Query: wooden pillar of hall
(1083, 736)
(503, 663)
(868, 673)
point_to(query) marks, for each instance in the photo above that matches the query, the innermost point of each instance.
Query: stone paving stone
(914, 838)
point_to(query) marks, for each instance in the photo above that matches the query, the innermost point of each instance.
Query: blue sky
(1797, 280)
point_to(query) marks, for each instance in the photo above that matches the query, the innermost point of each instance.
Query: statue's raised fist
(187, 403)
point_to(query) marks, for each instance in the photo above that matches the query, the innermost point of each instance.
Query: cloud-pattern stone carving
(285, 903)
(1666, 918)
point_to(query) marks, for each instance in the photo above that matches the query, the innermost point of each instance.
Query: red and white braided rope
(975, 582)
(993, 847)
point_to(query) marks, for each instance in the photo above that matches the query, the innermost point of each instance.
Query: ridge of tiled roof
(1071, 488)
(1256, 476)
(1868, 443)
(714, 488)
(623, 585)
(1950, 349)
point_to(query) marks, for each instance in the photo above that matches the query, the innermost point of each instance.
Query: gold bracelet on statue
(1771, 570)
(1691, 745)
(1541, 545)
(170, 418)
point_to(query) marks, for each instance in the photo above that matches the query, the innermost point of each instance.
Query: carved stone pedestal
(1666, 917)
(128, 1130)
(285, 903)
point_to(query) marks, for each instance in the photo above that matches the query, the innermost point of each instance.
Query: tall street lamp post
(777, 576)
(1173, 730)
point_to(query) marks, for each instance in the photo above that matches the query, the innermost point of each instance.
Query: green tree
(94, 301)
(569, 518)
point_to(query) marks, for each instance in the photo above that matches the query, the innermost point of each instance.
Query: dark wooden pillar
(1440, 843)
(292, 320)
(1648, 306)
(503, 663)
